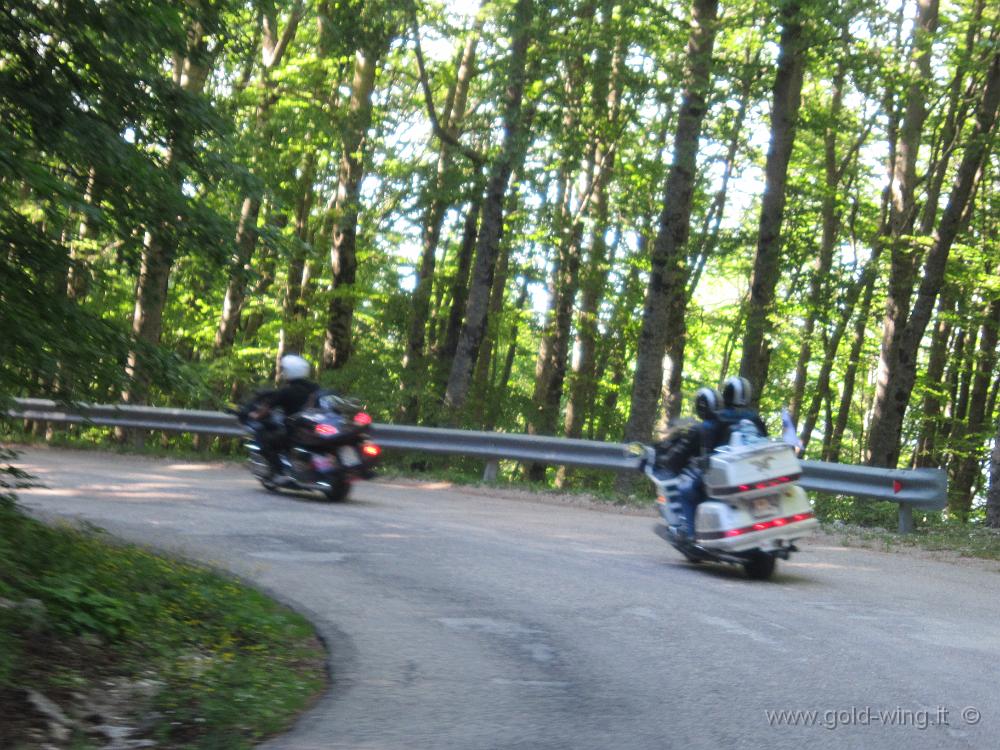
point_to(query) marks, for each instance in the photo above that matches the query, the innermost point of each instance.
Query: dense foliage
(558, 217)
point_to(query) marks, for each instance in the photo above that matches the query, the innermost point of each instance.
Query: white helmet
(294, 367)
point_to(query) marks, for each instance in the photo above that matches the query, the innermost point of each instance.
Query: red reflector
(371, 450)
(761, 485)
(801, 516)
(896, 486)
(734, 532)
(760, 526)
(744, 487)
(784, 479)
(362, 419)
(779, 521)
(325, 429)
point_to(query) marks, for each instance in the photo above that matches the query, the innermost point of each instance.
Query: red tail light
(325, 429)
(371, 450)
(362, 419)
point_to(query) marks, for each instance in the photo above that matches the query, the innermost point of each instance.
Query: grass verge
(169, 651)
(962, 540)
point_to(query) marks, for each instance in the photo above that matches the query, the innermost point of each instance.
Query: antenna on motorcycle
(789, 433)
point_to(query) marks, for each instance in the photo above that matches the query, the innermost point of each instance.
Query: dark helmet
(706, 403)
(736, 392)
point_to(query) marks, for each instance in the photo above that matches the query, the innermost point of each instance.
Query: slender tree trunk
(993, 492)
(897, 365)
(293, 307)
(925, 454)
(503, 382)
(786, 98)
(481, 372)
(864, 284)
(441, 198)
(606, 104)
(345, 209)
(850, 374)
(818, 299)
(515, 143)
(976, 414)
(899, 226)
(159, 243)
(273, 49)
(459, 290)
(668, 276)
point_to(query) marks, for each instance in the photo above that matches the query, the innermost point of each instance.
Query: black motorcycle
(329, 446)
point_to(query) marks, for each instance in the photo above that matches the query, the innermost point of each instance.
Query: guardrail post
(490, 472)
(905, 518)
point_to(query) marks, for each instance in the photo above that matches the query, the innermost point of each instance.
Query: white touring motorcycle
(753, 511)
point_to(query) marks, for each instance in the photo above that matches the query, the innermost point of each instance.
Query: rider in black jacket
(295, 395)
(678, 454)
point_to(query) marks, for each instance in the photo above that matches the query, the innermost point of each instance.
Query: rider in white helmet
(292, 397)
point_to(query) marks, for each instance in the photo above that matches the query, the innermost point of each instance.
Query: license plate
(764, 506)
(348, 456)
(322, 463)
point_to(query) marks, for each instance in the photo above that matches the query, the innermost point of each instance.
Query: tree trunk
(273, 49)
(515, 142)
(925, 454)
(293, 307)
(850, 375)
(441, 198)
(481, 371)
(503, 382)
(960, 501)
(993, 493)
(159, 243)
(897, 364)
(830, 219)
(786, 98)
(864, 284)
(668, 276)
(606, 104)
(459, 290)
(345, 209)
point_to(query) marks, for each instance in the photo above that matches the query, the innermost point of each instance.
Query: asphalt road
(457, 619)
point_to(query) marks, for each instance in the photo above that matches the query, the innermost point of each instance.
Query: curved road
(464, 620)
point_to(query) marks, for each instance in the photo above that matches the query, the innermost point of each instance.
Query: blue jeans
(690, 492)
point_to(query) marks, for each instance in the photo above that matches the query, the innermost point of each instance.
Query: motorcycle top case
(303, 429)
(751, 470)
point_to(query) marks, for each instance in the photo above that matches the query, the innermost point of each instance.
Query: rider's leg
(690, 494)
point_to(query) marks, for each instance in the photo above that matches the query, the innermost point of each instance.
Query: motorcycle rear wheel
(338, 491)
(760, 566)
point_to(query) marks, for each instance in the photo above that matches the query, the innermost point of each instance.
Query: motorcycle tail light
(362, 419)
(325, 429)
(371, 450)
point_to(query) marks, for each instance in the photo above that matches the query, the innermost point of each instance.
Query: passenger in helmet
(736, 396)
(679, 454)
(272, 408)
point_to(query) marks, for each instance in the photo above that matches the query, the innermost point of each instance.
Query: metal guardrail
(924, 489)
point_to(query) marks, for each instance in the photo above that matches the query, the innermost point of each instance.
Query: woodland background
(552, 216)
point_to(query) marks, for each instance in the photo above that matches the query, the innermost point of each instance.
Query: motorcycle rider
(678, 453)
(296, 393)
(736, 395)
